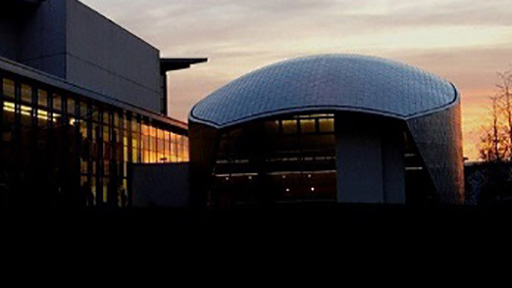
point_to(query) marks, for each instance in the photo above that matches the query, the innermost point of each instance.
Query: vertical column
(3, 175)
(1, 122)
(370, 160)
(99, 158)
(91, 149)
(17, 122)
(163, 102)
(359, 162)
(128, 130)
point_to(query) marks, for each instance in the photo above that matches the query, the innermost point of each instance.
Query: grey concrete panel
(102, 81)
(359, 166)
(53, 65)
(163, 185)
(9, 32)
(124, 66)
(43, 40)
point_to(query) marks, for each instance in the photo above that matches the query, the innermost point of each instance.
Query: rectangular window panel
(326, 125)
(135, 125)
(8, 88)
(106, 135)
(57, 102)
(135, 155)
(71, 106)
(83, 130)
(26, 115)
(160, 145)
(152, 144)
(95, 113)
(42, 98)
(83, 111)
(26, 94)
(146, 157)
(116, 119)
(307, 126)
(106, 117)
(167, 147)
(126, 122)
(145, 142)
(145, 129)
(289, 126)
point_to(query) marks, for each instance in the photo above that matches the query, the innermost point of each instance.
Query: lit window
(57, 102)
(326, 125)
(307, 126)
(289, 126)
(71, 106)
(42, 98)
(26, 94)
(8, 88)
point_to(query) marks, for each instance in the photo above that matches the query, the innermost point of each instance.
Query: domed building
(328, 128)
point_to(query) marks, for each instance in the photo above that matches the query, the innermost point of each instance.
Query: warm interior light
(27, 111)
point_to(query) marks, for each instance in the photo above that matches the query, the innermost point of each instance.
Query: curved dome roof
(335, 82)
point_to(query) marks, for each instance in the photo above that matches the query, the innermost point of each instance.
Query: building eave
(171, 64)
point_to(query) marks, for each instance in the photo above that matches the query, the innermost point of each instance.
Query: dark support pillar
(89, 155)
(203, 142)
(128, 130)
(163, 103)
(99, 158)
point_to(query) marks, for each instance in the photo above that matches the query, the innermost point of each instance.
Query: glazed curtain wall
(288, 159)
(60, 148)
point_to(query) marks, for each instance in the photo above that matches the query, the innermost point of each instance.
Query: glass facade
(61, 148)
(292, 158)
(288, 159)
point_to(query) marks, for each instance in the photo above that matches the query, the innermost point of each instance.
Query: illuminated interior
(292, 157)
(58, 146)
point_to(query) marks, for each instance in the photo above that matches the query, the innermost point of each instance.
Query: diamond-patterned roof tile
(329, 82)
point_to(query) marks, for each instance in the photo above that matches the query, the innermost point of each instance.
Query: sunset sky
(465, 41)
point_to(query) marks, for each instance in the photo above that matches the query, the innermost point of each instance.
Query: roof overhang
(171, 64)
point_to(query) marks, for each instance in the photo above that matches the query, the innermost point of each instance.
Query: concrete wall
(43, 41)
(369, 159)
(162, 185)
(9, 31)
(70, 40)
(108, 59)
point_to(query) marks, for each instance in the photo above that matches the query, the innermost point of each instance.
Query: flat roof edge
(171, 64)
